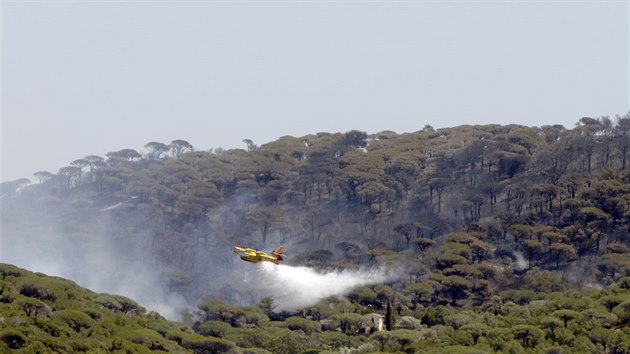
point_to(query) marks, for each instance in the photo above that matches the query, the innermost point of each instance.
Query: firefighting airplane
(254, 256)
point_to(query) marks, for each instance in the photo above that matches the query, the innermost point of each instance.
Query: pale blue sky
(88, 78)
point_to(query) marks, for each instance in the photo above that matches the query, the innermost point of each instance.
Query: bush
(336, 340)
(623, 311)
(408, 322)
(520, 297)
(497, 336)
(214, 328)
(611, 301)
(33, 307)
(13, 338)
(176, 336)
(37, 290)
(75, 319)
(255, 351)
(202, 344)
(461, 337)
(288, 343)
(217, 310)
(147, 338)
(583, 345)
(299, 323)
(248, 316)
(563, 336)
(108, 302)
(7, 292)
(543, 280)
(254, 337)
(529, 335)
(129, 306)
(476, 330)
(624, 283)
(160, 326)
(8, 270)
(54, 327)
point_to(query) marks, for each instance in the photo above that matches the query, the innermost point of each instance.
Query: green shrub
(512, 347)
(288, 343)
(336, 340)
(476, 330)
(529, 335)
(497, 336)
(624, 283)
(520, 297)
(13, 338)
(35, 347)
(57, 345)
(7, 292)
(214, 328)
(610, 301)
(33, 307)
(603, 336)
(160, 326)
(129, 306)
(175, 335)
(8, 270)
(452, 349)
(77, 320)
(461, 337)
(299, 323)
(37, 290)
(217, 310)
(248, 316)
(553, 350)
(623, 311)
(147, 338)
(583, 345)
(201, 344)
(255, 351)
(53, 327)
(254, 337)
(563, 336)
(108, 302)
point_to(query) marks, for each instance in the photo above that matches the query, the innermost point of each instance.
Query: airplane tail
(278, 253)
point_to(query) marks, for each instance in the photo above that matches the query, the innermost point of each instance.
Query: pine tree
(388, 316)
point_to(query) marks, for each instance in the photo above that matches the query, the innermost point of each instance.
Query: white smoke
(98, 261)
(521, 264)
(293, 288)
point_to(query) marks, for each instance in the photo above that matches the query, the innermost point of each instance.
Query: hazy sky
(87, 78)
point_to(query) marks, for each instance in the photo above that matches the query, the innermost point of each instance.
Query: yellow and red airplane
(255, 256)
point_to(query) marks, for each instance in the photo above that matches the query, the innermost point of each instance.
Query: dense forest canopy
(470, 217)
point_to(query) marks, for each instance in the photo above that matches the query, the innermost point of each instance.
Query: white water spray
(297, 287)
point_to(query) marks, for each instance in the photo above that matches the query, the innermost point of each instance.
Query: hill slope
(42, 314)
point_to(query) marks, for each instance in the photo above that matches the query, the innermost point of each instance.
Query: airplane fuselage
(258, 259)
(255, 256)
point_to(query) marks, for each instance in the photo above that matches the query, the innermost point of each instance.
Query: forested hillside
(472, 217)
(40, 314)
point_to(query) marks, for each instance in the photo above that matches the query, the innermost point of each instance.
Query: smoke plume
(96, 255)
(520, 263)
